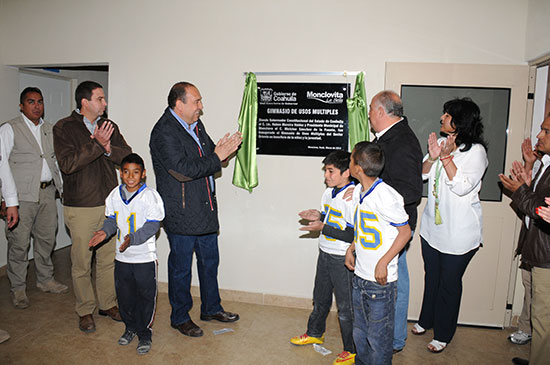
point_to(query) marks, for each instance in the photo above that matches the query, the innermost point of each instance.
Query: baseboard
(3, 270)
(254, 298)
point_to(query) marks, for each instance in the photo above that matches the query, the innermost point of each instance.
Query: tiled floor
(47, 333)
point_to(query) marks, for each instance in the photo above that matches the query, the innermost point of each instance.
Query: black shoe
(520, 361)
(143, 347)
(222, 316)
(126, 337)
(189, 329)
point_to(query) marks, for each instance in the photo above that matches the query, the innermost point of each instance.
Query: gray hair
(391, 102)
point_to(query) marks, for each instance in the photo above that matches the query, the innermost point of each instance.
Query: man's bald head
(386, 108)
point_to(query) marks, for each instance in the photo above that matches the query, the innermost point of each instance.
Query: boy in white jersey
(381, 231)
(335, 223)
(134, 212)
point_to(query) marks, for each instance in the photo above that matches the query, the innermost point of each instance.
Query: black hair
(133, 158)
(178, 92)
(390, 102)
(27, 90)
(84, 91)
(370, 157)
(466, 120)
(340, 160)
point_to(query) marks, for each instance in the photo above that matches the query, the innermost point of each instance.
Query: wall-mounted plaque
(302, 119)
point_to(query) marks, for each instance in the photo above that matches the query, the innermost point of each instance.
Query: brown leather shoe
(86, 323)
(189, 329)
(222, 316)
(111, 312)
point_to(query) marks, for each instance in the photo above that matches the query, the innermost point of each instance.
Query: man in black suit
(403, 172)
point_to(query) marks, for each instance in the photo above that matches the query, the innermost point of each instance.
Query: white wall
(149, 45)
(538, 29)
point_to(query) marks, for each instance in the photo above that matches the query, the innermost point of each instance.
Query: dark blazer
(182, 171)
(403, 165)
(534, 243)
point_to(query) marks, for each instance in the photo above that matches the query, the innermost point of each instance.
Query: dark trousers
(179, 274)
(136, 290)
(332, 276)
(442, 290)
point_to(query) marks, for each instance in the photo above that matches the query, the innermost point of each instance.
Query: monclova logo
(327, 97)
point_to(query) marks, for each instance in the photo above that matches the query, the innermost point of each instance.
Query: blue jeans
(179, 274)
(332, 276)
(373, 309)
(402, 302)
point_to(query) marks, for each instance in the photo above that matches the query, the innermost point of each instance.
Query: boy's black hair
(133, 158)
(370, 157)
(339, 159)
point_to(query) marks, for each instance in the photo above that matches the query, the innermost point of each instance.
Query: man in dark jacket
(534, 243)
(403, 172)
(185, 160)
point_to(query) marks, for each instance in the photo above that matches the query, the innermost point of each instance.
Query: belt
(45, 184)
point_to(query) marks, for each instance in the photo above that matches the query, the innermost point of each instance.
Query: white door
(57, 104)
(487, 279)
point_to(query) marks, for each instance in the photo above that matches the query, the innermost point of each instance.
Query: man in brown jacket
(88, 147)
(534, 243)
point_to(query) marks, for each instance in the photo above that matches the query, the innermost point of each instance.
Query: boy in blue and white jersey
(134, 212)
(381, 231)
(335, 223)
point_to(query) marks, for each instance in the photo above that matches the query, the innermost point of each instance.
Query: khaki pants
(38, 219)
(524, 321)
(540, 316)
(82, 223)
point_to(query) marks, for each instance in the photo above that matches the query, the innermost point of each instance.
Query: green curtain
(245, 174)
(357, 113)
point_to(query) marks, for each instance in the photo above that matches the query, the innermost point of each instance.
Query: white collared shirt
(9, 190)
(381, 133)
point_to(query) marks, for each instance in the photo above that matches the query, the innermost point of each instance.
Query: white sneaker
(519, 337)
(52, 286)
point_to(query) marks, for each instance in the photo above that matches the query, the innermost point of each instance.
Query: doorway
(489, 275)
(58, 84)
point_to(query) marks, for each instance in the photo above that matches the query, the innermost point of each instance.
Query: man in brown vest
(30, 178)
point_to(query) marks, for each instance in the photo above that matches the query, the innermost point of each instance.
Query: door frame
(501, 226)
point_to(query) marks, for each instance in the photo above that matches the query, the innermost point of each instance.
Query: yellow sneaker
(306, 340)
(344, 358)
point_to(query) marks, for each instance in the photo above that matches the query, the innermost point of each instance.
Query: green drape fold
(245, 174)
(357, 113)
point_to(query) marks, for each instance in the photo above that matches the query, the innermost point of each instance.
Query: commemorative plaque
(302, 119)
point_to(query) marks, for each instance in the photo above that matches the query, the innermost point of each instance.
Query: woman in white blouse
(451, 224)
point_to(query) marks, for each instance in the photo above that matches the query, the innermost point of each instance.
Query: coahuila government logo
(327, 97)
(266, 95)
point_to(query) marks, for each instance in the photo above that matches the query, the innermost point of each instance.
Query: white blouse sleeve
(469, 170)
